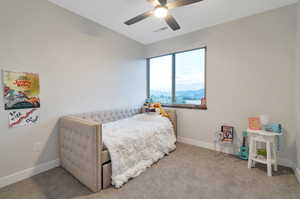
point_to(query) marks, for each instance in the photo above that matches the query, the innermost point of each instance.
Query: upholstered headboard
(106, 116)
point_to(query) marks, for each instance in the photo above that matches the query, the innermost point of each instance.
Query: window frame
(174, 105)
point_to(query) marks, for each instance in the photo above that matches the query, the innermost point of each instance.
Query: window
(178, 79)
(161, 79)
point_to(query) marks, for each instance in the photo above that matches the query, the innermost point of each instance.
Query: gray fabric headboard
(106, 116)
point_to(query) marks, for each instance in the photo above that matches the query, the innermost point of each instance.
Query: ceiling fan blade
(172, 22)
(162, 2)
(154, 2)
(139, 18)
(181, 3)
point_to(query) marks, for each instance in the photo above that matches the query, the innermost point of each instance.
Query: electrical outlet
(37, 147)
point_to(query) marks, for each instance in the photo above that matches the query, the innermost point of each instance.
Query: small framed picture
(254, 123)
(227, 134)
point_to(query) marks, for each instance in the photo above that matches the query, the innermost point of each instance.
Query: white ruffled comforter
(135, 143)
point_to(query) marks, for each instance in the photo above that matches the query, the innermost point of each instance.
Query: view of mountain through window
(161, 79)
(181, 82)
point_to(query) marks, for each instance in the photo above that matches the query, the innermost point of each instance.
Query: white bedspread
(135, 143)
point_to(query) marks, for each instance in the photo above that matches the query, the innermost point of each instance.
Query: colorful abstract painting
(21, 90)
(24, 117)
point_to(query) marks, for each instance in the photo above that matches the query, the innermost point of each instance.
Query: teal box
(276, 128)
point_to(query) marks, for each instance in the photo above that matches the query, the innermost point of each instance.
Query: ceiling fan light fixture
(161, 11)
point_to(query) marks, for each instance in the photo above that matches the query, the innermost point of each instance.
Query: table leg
(275, 156)
(250, 153)
(269, 158)
(254, 152)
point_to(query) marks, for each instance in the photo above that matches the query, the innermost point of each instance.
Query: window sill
(185, 106)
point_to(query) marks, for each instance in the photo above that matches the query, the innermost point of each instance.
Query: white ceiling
(113, 13)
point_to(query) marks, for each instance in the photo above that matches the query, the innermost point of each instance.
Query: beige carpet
(188, 173)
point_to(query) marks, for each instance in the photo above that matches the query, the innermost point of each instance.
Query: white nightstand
(270, 139)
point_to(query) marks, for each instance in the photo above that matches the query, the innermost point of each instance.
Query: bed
(98, 148)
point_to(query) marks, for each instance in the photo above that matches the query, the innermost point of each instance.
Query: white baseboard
(211, 146)
(286, 162)
(27, 173)
(297, 173)
(196, 143)
(206, 145)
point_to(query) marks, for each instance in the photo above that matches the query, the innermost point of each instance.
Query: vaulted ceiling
(113, 13)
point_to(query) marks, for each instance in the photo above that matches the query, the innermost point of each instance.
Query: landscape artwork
(21, 90)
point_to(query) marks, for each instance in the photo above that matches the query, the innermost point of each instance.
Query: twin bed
(110, 147)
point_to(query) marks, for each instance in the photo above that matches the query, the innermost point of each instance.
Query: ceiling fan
(161, 10)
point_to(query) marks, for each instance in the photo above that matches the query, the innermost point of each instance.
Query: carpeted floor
(188, 173)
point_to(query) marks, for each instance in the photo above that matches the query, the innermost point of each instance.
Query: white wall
(82, 66)
(297, 87)
(249, 72)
